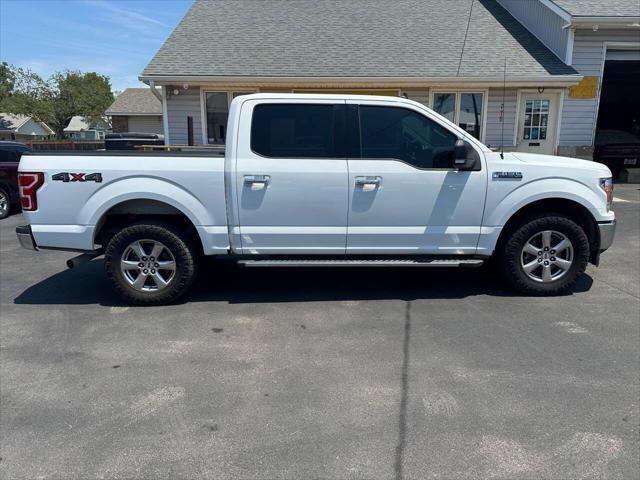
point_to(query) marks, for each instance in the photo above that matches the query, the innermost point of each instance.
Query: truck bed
(80, 189)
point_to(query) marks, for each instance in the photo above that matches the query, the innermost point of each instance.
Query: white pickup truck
(322, 180)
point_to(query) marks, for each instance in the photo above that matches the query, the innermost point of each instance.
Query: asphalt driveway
(312, 373)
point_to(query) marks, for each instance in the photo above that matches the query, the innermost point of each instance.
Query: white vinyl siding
(493, 132)
(179, 107)
(540, 20)
(579, 116)
(420, 96)
(33, 128)
(146, 124)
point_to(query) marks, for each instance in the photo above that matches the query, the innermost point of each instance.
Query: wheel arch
(559, 205)
(136, 210)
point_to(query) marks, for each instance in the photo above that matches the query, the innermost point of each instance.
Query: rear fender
(140, 188)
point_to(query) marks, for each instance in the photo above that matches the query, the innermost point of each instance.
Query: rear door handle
(257, 182)
(368, 183)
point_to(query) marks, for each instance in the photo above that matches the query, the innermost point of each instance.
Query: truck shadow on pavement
(226, 282)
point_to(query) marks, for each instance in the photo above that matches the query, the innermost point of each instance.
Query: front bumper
(607, 232)
(25, 237)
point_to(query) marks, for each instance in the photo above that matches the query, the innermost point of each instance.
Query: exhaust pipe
(81, 259)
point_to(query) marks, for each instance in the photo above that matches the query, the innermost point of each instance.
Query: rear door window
(298, 130)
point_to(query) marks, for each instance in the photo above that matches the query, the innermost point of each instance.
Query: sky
(116, 38)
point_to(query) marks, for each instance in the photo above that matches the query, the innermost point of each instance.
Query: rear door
(404, 195)
(291, 177)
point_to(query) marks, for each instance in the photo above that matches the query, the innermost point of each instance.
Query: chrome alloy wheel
(148, 265)
(547, 256)
(4, 204)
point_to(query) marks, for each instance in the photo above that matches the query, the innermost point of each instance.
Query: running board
(431, 262)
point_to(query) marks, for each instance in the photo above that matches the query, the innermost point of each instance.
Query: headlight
(606, 184)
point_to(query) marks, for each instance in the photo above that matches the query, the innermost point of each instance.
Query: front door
(538, 122)
(404, 197)
(291, 177)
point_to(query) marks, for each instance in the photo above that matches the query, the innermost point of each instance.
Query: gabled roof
(600, 8)
(375, 38)
(79, 123)
(135, 101)
(10, 122)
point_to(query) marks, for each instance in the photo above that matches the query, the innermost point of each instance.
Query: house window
(536, 118)
(217, 106)
(217, 110)
(462, 108)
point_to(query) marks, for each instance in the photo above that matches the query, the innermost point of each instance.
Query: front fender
(504, 202)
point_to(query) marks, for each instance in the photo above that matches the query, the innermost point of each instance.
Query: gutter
(345, 82)
(595, 22)
(132, 114)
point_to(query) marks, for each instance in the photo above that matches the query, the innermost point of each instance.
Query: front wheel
(150, 264)
(544, 254)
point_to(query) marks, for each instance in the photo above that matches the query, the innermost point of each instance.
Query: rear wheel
(150, 264)
(5, 203)
(544, 254)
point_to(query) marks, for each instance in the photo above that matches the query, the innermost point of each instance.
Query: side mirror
(465, 156)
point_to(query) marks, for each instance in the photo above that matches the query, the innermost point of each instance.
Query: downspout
(152, 85)
(571, 31)
(163, 100)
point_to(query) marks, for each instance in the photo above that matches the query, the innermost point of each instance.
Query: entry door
(403, 196)
(538, 123)
(291, 178)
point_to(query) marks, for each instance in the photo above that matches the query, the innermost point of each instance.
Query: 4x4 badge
(77, 177)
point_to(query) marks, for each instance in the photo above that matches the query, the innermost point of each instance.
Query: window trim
(394, 159)
(458, 92)
(338, 136)
(203, 106)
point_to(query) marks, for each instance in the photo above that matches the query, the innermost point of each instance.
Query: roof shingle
(135, 101)
(357, 38)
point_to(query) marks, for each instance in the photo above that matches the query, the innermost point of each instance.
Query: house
(550, 62)
(22, 128)
(137, 110)
(80, 128)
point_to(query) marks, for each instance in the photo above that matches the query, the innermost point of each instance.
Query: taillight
(29, 183)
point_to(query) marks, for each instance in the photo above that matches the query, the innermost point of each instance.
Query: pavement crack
(616, 288)
(402, 416)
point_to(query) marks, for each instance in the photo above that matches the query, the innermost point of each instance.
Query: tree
(6, 81)
(56, 100)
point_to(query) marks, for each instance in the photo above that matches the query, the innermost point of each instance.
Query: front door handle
(257, 182)
(368, 183)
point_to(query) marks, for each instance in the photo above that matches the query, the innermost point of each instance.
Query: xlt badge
(509, 175)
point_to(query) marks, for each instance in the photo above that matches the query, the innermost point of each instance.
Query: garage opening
(617, 141)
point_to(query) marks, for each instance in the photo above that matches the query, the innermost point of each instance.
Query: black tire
(510, 252)
(5, 198)
(181, 248)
